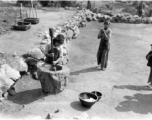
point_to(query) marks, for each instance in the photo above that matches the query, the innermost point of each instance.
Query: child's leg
(106, 61)
(103, 59)
(99, 55)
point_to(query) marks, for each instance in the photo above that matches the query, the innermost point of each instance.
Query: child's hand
(54, 62)
(52, 54)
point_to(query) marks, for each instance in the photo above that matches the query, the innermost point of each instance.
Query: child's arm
(149, 55)
(100, 33)
(60, 56)
(108, 35)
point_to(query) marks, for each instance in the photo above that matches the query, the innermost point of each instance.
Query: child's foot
(98, 67)
(149, 86)
(103, 69)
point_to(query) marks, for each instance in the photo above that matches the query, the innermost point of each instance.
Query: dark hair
(59, 38)
(107, 23)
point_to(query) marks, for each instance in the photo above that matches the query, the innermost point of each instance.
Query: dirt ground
(122, 84)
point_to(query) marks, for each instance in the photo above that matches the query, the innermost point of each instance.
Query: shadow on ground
(28, 96)
(77, 106)
(133, 87)
(138, 103)
(92, 69)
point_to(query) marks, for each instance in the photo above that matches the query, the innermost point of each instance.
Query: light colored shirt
(60, 49)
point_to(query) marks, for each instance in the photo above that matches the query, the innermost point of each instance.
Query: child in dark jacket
(149, 58)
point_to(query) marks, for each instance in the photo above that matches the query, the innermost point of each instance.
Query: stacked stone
(124, 18)
(10, 68)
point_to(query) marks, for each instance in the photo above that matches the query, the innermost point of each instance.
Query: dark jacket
(149, 58)
(50, 59)
(104, 43)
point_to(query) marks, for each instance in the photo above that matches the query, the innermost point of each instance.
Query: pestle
(53, 68)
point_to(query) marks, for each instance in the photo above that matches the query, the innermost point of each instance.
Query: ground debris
(49, 116)
(57, 111)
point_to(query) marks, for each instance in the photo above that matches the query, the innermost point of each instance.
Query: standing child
(149, 58)
(104, 46)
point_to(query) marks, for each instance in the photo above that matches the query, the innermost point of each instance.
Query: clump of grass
(109, 6)
(131, 10)
(148, 12)
(8, 15)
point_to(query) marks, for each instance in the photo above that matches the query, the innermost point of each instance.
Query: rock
(57, 111)
(84, 115)
(45, 47)
(36, 53)
(12, 91)
(149, 20)
(12, 73)
(5, 95)
(16, 62)
(53, 81)
(76, 117)
(48, 116)
(76, 32)
(94, 19)
(24, 106)
(1, 99)
(69, 34)
(89, 18)
(5, 82)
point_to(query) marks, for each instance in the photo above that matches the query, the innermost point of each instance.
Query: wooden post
(35, 12)
(32, 8)
(52, 35)
(21, 13)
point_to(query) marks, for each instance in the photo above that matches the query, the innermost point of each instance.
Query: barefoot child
(104, 46)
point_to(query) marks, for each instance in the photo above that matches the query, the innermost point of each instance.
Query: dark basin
(87, 99)
(32, 20)
(98, 94)
(22, 26)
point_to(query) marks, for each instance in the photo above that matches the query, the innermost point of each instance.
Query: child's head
(59, 40)
(106, 24)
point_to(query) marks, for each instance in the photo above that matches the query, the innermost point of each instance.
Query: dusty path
(122, 84)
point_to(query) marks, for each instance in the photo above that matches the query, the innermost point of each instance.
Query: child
(149, 58)
(57, 56)
(104, 46)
